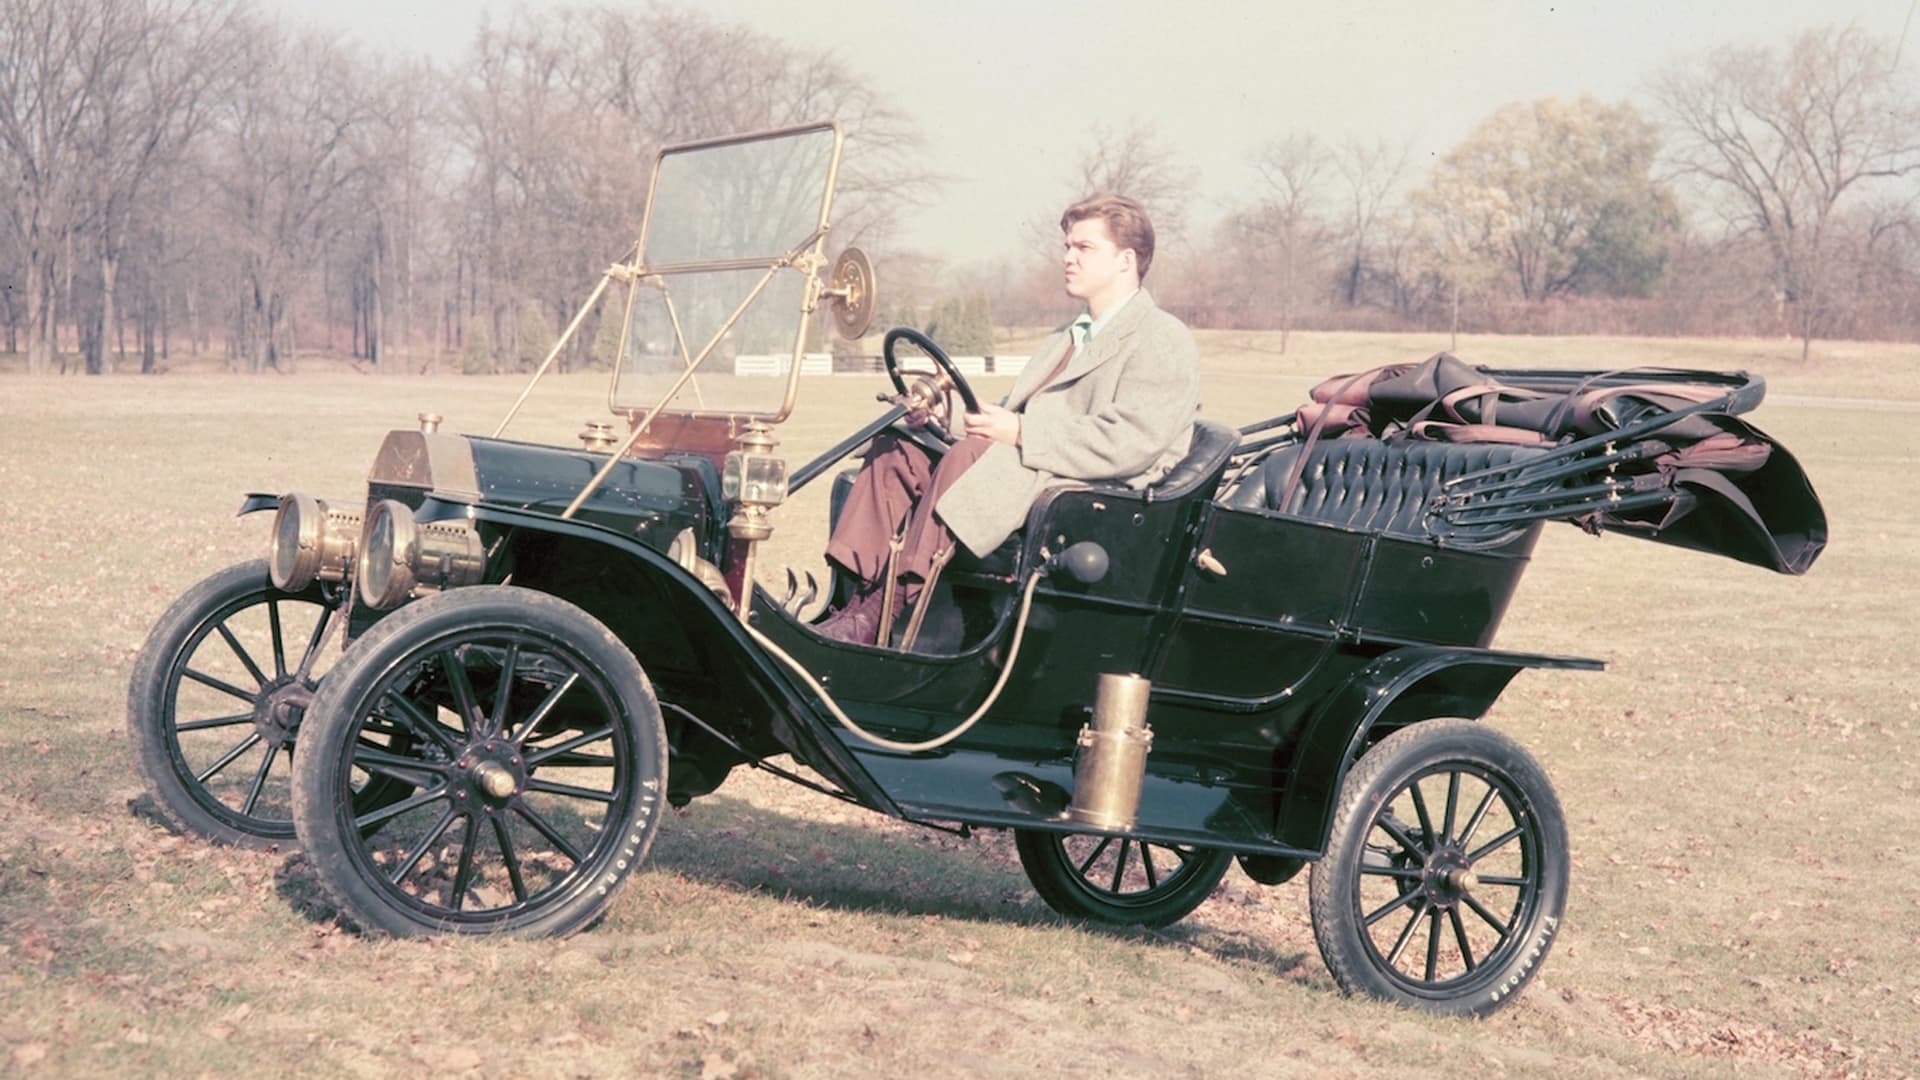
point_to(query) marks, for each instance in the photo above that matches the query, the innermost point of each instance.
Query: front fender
(255, 501)
(685, 637)
(1397, 688)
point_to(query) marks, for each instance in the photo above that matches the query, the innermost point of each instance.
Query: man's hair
(1126, 220)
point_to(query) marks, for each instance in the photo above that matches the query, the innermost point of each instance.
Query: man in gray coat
(1110, 397)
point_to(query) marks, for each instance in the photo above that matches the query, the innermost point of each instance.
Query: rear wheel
(534, 747)
(1446, 873)
(1119, 880)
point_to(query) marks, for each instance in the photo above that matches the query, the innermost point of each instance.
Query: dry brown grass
(1740, 789)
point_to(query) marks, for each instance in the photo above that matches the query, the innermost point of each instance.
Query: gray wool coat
(1122, 411)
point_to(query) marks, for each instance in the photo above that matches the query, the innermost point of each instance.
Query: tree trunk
(1453, 331)
(108, 328)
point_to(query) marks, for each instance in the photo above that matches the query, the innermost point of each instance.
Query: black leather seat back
(1206, 459)
(1369, 484)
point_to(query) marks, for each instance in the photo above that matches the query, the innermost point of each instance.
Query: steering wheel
(927, 391)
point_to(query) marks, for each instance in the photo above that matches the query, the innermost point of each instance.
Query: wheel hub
(278, 707)
(490, 774)
(1447, 876)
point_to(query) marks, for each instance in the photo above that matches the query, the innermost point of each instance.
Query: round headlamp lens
(295, 559)
(386, 564)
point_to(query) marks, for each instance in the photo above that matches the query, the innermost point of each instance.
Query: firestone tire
(1445, 877)
(510, 712)
(1114, 880)
(220, 663)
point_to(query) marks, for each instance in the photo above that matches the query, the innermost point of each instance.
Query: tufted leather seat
(1369, 484)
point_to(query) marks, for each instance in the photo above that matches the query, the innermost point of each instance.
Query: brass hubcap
(495, 779)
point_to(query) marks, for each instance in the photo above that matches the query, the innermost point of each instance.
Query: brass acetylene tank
(1112, 759)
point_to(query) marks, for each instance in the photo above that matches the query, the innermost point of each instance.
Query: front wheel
(1446, 873)
(1117, 880)
(216, 697)
(534, 747)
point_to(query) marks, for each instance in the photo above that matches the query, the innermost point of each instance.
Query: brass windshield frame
(808, 257)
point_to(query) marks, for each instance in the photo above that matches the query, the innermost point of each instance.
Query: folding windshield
(733, 234)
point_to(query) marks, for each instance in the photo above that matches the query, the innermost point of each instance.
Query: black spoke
(1460, 937)
(378, 759)
(463, 699)
(1120, 865)
(1146, 860)
(313, 641)
(1433, 914)
(1453, 803)
(546, 706)
(579, 761)
(1492, 920)
(1403, 873)
(540, 755)
(1391, 906)
(1420, 809)
(279, 638)
(1406, 935)
(215, 722)
(463, 877)
(420, 723)
(387, 813)
(1503, 879)
(1495, 844)
(504, 691)
(260, 779)
(548, 831)
(1088, 865)
(219, 684)
(569, 790)
(246, 661)
(513, 861)
(226, 759)
(420, 850)
(1479, 814)
(1394, 829)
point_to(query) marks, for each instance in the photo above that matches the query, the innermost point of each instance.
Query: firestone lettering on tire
(1547, 926)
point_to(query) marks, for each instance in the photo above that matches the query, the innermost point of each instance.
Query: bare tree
(1135, 161)
(1292, 171)
(1369, 171)
(50, 68)
(1784, 139)
(1462, 236)
(163, 64)
(282, 163)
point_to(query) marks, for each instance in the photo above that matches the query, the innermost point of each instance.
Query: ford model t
(1278, 653)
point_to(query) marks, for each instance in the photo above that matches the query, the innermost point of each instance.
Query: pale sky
(1007, 91)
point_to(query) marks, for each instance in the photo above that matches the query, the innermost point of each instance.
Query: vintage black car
(1277, 654)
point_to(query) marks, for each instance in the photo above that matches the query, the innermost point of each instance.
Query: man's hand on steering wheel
(920, 398)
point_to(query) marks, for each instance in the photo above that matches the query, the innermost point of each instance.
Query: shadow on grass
(731, 844)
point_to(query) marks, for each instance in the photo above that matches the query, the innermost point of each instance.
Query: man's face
(1094, 266)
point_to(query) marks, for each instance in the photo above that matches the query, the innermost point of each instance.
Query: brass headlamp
(312, 541)
(399, 556)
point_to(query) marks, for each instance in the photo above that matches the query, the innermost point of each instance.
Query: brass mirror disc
(851, 284)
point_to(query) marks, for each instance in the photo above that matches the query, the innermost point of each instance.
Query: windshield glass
(721, 220)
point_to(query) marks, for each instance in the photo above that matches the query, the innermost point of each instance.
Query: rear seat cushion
(1367, 483)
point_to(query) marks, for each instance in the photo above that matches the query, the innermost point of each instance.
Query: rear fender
(686, 638)
(1398, 688)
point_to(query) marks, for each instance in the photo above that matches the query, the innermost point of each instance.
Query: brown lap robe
(899, 483)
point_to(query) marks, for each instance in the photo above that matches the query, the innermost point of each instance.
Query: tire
(216, 696)
(1483, 893)
(509, 712)
(1115, 879)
